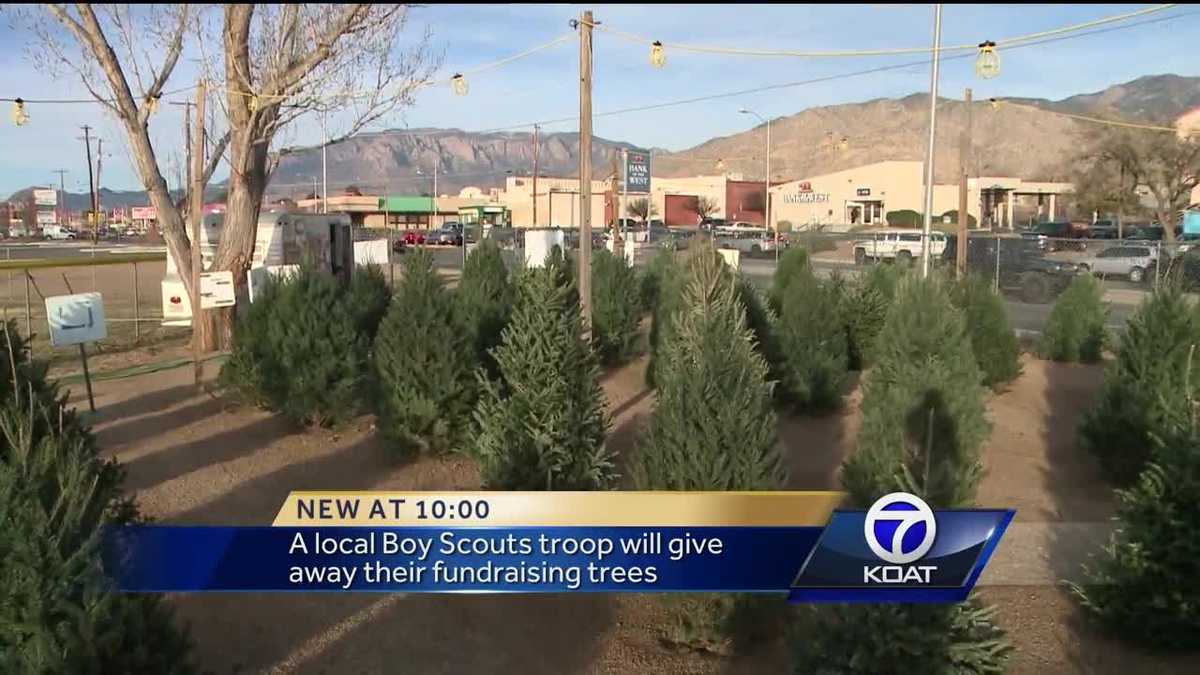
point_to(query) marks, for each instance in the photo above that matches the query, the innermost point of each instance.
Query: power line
(1085, 118)
(1010, 42)
(829, 78)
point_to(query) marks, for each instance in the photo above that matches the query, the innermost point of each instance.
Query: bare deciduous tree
(1163, 163)
(276, 63)
(642, 208)
(705, 206)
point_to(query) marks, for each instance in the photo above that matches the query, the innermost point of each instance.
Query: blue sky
(544, 86)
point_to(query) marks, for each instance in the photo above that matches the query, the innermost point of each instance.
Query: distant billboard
(45, 197)
(143, 213)
(637, 171)
(46, 218)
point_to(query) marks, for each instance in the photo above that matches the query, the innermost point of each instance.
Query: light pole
(324, 165)
(766, 179)
(933, 94)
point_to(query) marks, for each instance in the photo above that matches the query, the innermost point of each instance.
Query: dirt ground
(192, 459)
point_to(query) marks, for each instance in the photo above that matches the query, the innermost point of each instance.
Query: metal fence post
(93, 268)
(391, 263)
(8, 256)
(1157, 262)
(28, 316)
(996, 282)
(137, 324)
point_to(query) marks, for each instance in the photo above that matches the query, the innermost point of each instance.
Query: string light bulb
(19, 115)
(253, 104)
(987, 64)
(720, 165)
(459, 84)
(658, 56)
(995, 103)
(844, 144)
(152, 104)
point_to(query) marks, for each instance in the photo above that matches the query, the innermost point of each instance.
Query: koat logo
(900, 529)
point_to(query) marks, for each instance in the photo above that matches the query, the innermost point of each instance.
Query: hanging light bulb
(152, 104)
(19, 116)
(844, 144)
(987, 64)
(253, 104)
(459, 83)
(995, 103)
(658, 57)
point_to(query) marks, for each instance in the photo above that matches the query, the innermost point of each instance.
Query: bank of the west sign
(805, 197)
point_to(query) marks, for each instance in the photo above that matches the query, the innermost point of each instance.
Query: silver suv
(1134, 262)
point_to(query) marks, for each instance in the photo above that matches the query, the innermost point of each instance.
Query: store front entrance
(864, 212)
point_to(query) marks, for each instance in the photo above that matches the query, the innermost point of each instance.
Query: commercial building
(865, 195)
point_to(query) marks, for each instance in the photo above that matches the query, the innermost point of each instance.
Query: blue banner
(899, 550)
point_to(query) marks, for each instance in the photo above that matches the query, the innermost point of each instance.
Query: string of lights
(658, 48)
(835, 77)
(997, 102)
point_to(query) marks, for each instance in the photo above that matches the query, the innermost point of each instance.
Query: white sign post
(76, 320)
(216, 290)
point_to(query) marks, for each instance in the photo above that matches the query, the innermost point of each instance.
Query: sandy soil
(192, 459)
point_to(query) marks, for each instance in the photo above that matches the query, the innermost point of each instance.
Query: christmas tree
(367, 299)
(764, 323)
(812, 339)
(1075, 330)
(864, 306)
(1143, 586)
(712, 428)
(541, 424)
(59, 612)
(1147, 382)
(993, 342)
(668, 288)
(794, 265)
(923, 425)
(484, 301)
(615, 307)
(423, 365)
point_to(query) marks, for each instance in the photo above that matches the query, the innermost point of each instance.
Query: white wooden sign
(76, 319)
(216, 290)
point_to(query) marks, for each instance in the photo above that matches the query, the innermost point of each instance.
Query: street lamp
(933, 93)
(766, 179)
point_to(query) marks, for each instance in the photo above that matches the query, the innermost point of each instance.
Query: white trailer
(282, 243)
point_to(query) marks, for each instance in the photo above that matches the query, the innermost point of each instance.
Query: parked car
(1020, 266)
(1122, 260)
(449, 234)
(58, 232)
(896, 244)
(1056, 236)
(746, 242)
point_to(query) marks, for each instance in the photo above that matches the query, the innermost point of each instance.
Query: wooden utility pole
(196, 213)
(585, 170)
(964, 218)
(535, 174)
(87, 142)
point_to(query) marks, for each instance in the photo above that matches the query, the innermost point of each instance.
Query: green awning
(406, 204)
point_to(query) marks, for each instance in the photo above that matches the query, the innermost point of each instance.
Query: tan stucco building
(866, 194)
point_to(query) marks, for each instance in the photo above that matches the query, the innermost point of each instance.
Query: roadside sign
(45, 197)
(637, 171)
(46, 218)
(216, 290)
(76, 319)
(143, 213)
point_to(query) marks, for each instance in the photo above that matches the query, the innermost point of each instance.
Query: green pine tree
(1075, 330)
(812, 339)
(923, 426)
(794, 265)
(541, 425)
(652, 277)
(1148, 380)
(615, 307)
(993, 342)
(58, 610)
(1142, 586)
(299, 351)
(423, 365)
(669, 286)
(367, 298)
(712, 428)
(484, 301)
(865, 303)
(764, 324)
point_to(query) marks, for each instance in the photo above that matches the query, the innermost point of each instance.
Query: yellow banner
(506, 509)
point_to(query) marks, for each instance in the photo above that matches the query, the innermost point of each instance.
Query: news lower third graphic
(796, 543)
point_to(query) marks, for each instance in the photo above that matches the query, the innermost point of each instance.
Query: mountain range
(1027, 140)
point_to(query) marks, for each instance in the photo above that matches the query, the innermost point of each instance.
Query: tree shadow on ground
(155, 468)
(151, 401)
(145, 427)
(814, 446)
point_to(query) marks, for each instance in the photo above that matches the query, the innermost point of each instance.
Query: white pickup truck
(57, 232)
(896, 244)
